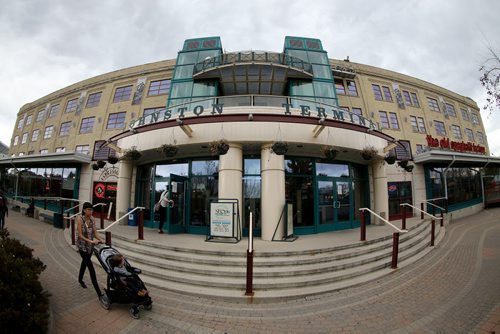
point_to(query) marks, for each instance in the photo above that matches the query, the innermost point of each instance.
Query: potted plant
(390, 159)
(132, 154)
(409, 168)
(169, 150)
(112, 160)
(95, 167)
(329, 152)
(369, 152)
(101, 163)
(219, 147)
(279, 148)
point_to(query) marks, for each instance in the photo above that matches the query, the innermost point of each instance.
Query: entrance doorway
(176, 212)
(334, 204)
(399, 193)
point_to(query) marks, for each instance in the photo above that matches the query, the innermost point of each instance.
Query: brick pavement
(454, 289)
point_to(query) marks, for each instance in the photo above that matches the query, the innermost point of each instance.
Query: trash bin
(58, 220)
(132, 217)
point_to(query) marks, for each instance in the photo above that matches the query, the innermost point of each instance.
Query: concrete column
(380, 196)
(124, 187)
(230, 176)
(273, 192)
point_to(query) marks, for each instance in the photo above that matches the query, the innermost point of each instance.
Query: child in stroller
(116, 290)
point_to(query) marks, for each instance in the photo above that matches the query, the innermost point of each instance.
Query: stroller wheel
(134, 312)
(148, 307)
(105, 303)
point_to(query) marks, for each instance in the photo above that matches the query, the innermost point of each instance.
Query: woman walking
(87, 238)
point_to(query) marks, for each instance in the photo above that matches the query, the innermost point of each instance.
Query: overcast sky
(50, 44)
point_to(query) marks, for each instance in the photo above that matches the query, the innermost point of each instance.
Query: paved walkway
(454, 289)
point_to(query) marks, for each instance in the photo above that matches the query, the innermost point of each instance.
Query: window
(29, 119)
(414, 99)
(414, 125)
(419, 148)
(440, 130)
(48, 132)
(71, 106)
(474, 118)
(159, 87)
(93, 100)
(433, 104)
(480, 137)
(87, 125)
(421, 125)
(60, 149)
(383, 119)
(357, 111)
(122, 93)
(16, 140)
(465, 114)
(470, 134)
(457, 133)
(84, 149)
(25, 138)
(387, 93)
(116, 120)
(34, 135)
(339, 86)
(351, 88)
(44, 151)
(377, 92)
(53, 110)
(394, 120)
(449, 110)
(65, 128)
(407, 97)
(20, 124)
(345, 108)
(40, 115)
(150, 111)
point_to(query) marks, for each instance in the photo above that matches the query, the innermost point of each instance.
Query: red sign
(455, 146)
(99, 190)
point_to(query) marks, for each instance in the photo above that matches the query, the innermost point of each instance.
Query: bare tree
(490, 79)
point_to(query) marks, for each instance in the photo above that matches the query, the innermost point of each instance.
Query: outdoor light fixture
(186, 128)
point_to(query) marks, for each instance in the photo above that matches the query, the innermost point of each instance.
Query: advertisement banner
(221, 219)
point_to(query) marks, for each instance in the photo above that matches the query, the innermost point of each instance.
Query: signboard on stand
(224, 221)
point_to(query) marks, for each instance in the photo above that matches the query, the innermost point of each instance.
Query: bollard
(140, 225)
(422, 212)
(363, 226)
(102, 217)
(72, 231)
(442, 219)
(108, 238)
(403, 223)
(45, 204)
(433, 230)
(68, 220)
(249, 286)
(433, 210)
(395, 249)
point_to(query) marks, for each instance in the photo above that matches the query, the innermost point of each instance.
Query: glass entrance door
(176, 212)
(334, 204)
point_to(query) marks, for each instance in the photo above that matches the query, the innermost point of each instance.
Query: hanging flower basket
(101, 163)
(95, 167)
(219, 147)
(409, 168)
(112, 160)
(329, 152)
(279, 148)
(369, 152)
(132, 154)
(403, 163)
(169, 150)
(390, 159)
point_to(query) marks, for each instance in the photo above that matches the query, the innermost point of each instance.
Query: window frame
(159, 91)
(442, 126)
(434, 106)
(47, 133)
(115, 117)
(84, 125)
(71, 105)
(93, 100)
(63, 126)
(120, 93)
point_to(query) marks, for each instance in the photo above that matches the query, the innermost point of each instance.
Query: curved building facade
(296, 139)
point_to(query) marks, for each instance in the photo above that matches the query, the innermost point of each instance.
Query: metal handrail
(422, 211)
(49, 198)
(116, 221)
(72, 208)
(384, 220)
(434, 205)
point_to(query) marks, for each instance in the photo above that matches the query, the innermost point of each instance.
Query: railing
(253, 57)
(434, 206)
(140, 225)
(395, 235)
(433, 222)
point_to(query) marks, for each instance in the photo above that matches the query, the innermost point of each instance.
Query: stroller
(116, 291)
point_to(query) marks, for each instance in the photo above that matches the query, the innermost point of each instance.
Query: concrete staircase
(222, 274)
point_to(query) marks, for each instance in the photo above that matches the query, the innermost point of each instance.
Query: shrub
(23, 302)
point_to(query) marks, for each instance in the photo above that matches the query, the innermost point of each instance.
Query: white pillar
(230, 177)
(272, 193)
(380, 195)
(124, 187)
